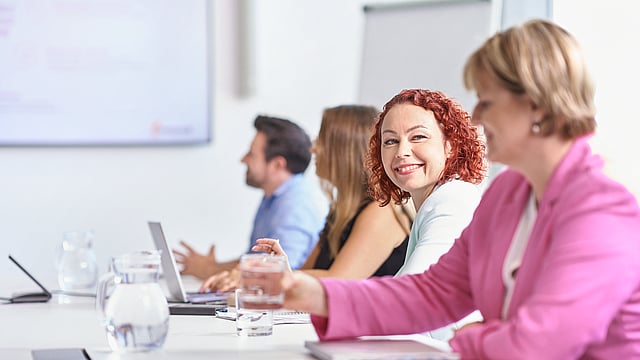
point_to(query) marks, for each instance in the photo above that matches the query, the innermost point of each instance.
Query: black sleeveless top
(390, 266)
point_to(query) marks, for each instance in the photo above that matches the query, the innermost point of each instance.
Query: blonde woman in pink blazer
(551, 257)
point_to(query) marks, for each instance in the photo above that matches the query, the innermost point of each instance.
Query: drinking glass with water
(260, 292)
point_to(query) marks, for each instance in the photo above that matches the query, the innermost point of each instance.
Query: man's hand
(194, 263)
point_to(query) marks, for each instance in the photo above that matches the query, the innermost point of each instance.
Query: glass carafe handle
(101, 295)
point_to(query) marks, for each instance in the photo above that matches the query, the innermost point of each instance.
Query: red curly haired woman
(424, 148)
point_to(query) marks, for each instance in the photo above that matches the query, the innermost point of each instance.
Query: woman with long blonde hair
(360, 238)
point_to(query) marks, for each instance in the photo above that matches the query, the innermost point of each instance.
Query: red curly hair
(467, 164)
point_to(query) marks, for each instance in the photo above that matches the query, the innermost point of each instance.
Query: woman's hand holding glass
(271, 246)
(302, 292)
(305, 293)
(229, 280)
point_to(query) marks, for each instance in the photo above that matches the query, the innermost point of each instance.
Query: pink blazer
(577, 294)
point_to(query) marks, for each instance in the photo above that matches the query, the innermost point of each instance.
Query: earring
(535, 128)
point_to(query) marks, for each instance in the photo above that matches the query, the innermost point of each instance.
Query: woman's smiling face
(414, 150)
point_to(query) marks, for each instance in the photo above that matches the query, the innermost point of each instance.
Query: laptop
(30, 297)
(173, 279)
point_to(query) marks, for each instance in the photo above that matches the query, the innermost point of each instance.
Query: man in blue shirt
(289, 211)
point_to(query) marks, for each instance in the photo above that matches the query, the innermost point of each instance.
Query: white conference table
(71, 322)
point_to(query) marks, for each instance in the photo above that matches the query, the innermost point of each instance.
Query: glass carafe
(77, 266)
(135, 314)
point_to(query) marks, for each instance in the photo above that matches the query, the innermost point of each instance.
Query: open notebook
(370, 349)
(172, 275)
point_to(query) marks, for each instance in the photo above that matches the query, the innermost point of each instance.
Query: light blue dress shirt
(293, 214)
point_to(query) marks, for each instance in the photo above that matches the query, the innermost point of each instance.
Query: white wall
(307, 58)
(608, 32)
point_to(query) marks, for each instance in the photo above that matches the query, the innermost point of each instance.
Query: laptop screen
(172, 275)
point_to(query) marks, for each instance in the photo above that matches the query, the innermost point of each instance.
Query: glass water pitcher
(77, 266)
(131, 304)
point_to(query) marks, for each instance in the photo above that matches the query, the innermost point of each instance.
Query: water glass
(261, 278)
(249, 320)
(259, 293)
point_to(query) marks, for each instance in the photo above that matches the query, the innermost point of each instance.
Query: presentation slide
(104, 72)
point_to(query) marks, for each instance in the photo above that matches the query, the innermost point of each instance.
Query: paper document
(282, 316)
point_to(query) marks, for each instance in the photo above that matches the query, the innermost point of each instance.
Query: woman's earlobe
(538, 113)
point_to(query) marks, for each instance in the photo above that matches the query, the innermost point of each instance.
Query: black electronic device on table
(196, 309)
(30, 297)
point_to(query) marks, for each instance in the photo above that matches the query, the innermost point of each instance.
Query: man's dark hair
(286, 139)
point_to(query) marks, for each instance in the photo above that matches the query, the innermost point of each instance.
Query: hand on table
(222, 281)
